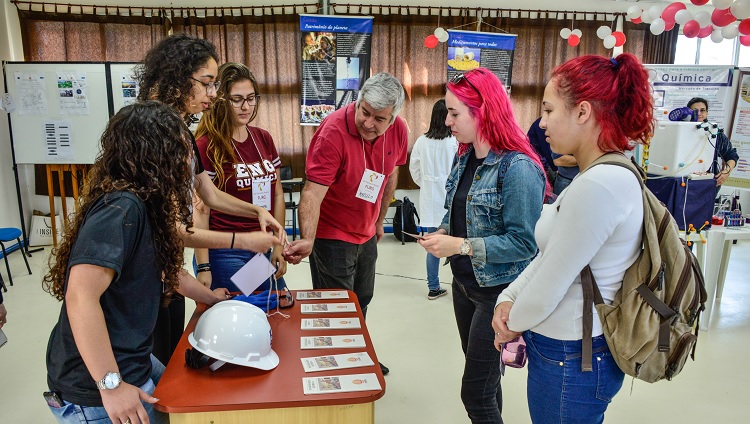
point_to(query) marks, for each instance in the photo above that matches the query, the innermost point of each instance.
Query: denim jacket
(502, 207)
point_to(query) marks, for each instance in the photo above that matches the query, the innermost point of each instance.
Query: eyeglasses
(461, 77)
(214, 85)
(286, 300)
(239, 101)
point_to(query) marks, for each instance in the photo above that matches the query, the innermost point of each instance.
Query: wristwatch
(110, 381)
(465, 248)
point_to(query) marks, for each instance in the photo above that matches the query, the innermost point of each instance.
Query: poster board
(123, 85)
(739, 133)
(60, 110)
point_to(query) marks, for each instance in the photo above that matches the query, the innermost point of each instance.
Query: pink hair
(496, 122)
(619, 92)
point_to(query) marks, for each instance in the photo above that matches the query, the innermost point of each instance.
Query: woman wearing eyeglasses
(242, 161)
(495, 194)
(180, 71)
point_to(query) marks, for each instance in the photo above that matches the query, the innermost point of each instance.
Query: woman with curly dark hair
(119, 259)
(180, 71)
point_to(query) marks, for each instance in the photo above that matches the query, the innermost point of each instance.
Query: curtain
(266, 39)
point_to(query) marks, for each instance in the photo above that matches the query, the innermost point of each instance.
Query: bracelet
(231, 246)
(203, 268)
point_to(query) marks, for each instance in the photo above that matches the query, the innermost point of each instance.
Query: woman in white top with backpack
(592, 106)
(431, 161)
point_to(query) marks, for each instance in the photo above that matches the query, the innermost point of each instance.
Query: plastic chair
(286, 175)
(6, 235)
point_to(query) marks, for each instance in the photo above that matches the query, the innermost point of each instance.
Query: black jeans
(336, 264)
(480, 384)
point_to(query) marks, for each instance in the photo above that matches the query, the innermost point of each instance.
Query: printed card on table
(340, 383)
(317, 295)
(323, 308)
(334, 362)
(332, 342)
(330, 323)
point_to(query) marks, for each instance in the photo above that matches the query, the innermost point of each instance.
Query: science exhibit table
(237, 394)
(718, 249)
(692, 203)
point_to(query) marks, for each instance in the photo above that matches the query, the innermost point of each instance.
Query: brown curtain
(267, 40)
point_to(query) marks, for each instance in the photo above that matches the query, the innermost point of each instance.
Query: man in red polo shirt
(352, 169)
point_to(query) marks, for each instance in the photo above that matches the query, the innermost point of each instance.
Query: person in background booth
(592, 106)
(723, 145)
(180, 71)
(494, 197)
(241, 160)
(352, 170)
(431, 161)
(120, 258)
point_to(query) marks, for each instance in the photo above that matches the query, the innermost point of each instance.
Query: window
(703, 51)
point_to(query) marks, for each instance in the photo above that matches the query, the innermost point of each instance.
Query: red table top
(233, 387)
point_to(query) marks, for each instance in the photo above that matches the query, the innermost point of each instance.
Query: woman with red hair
(495, 194)
(592, 106)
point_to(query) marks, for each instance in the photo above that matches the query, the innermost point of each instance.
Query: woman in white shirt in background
(592, 106)
(431, 161)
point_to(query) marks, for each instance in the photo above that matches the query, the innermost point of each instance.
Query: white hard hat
(235, 332)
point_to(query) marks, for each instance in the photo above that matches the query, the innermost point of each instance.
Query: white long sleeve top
(430, 165)
(599, 222)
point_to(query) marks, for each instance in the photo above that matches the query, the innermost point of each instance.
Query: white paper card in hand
(325, 308)
(330, 323)
(340, 383)
(331, 342)
(253, 274)
(333, 362)
(315, 295)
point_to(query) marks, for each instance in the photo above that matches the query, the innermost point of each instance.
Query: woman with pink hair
(495, 194)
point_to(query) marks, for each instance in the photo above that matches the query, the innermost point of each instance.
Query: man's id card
(369, 187)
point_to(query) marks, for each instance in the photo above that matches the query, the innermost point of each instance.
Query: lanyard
(260, 156)
(364, 157)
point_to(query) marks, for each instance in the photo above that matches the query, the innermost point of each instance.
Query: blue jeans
(76, 414)
(336, 264)
(226, 262)
(433, 265)
(558, 391)
(480, 385)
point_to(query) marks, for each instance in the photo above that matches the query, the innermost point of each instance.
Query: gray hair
(382, 91)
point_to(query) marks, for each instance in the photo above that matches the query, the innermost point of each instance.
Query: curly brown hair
(219, 121)
(167, 69)
(145, 150)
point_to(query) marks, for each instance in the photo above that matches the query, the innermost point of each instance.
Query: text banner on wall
(675, 85)
(335, 62)
(470, 49)
(740, 134)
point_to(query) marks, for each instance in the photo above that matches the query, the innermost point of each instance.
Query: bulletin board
(123, 85)
(59, 110)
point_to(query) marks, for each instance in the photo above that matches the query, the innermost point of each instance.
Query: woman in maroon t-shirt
(242, 161)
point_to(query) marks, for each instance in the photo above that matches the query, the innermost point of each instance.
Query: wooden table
(236, 394)
(60, 169)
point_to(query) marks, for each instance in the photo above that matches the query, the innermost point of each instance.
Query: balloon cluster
(610, 38)
(439, 36)
(573, 36)
(727, 20)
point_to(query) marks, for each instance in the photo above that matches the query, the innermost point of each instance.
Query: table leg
(727, 251)
(51, 191)
(715, 242)
(63, 202)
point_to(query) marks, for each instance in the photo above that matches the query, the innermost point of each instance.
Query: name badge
(369, 187)
(262, 192)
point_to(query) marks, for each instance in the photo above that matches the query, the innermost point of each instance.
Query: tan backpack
(652, 324)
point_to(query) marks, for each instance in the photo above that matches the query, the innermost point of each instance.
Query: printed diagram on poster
(32, 95)
(58, 139)
(71, 90)
(129, 89)
(469, 50)
(335, 63)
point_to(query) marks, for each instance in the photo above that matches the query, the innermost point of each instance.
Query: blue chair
(6, 235)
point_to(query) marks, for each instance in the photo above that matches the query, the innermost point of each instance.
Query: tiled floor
(417, 339)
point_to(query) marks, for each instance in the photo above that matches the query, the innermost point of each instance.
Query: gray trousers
(336, 264)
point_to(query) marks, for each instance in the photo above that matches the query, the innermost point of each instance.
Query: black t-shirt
(116, 234)
(461, 266)
(197, 156)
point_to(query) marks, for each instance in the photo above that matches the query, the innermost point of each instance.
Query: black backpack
(409, 224)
